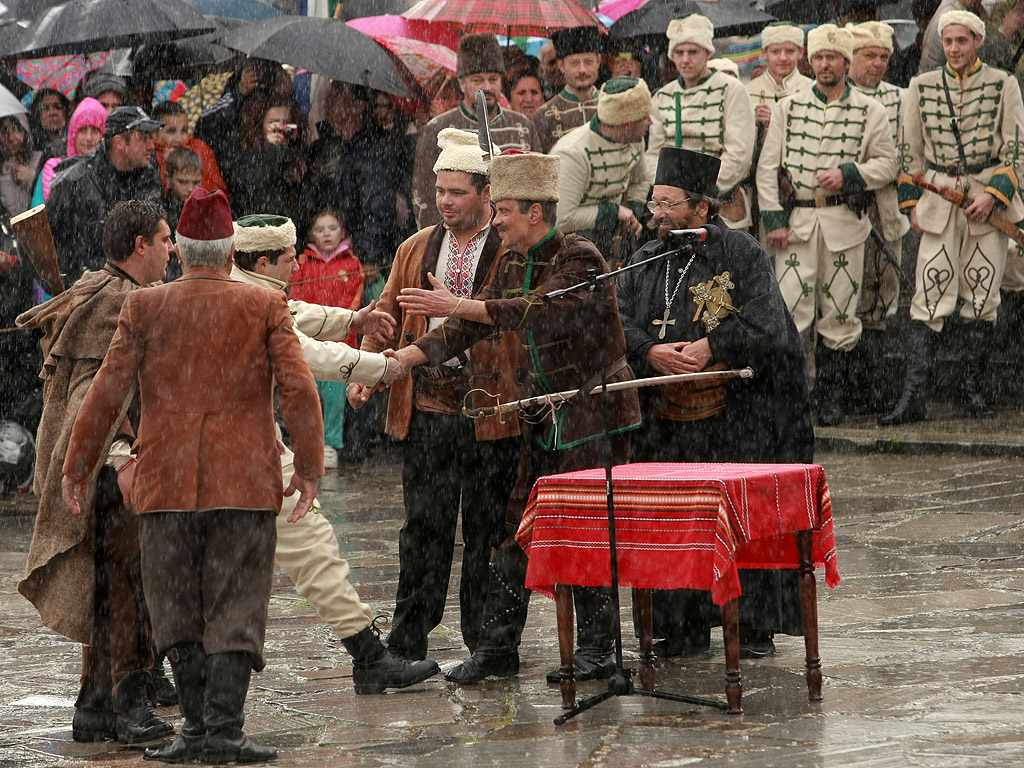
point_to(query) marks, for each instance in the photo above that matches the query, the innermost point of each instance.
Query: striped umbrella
(521, 17)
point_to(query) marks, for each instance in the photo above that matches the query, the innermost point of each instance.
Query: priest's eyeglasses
(654, 205)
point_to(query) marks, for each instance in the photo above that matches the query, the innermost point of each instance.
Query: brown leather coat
(493, 361)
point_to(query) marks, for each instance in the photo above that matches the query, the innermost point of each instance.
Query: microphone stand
(620, 683)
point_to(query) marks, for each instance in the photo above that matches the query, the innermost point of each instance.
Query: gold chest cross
(664, 322)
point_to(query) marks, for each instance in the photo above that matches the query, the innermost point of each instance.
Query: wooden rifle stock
(33, 230)
(959, 199)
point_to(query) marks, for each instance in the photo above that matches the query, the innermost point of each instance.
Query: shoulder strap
(954, 123)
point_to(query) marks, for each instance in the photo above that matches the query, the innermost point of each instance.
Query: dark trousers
(208, 577)
(771, 598)
(444, 469)
(122, 636)
(506, 609)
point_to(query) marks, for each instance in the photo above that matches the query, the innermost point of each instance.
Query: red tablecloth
(677, 525)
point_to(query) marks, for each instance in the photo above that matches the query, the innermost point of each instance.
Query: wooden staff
(33, 230)
(961, 200)
(557, 398)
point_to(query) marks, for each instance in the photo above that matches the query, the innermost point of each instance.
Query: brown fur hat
(479, 53)
(518, 175)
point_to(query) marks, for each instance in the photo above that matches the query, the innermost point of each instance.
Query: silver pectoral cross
(664, 323)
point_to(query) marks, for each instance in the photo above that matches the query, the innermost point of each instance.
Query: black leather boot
(188, 663)
(95, 719)
(977, 338)
(829, 385)
(136, 719)
(497, 654)
(227, 683)
(164, 693)
(594, 657)
(377, 668)
(920, 352)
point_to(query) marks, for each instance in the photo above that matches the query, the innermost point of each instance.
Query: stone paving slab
(922, 648)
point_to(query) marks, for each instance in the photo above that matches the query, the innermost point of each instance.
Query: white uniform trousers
(958, 264)
(822, 287)
(1013, 274)
(880, 287)
(307, 550)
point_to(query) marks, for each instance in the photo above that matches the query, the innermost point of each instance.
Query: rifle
(556, 399)
(961, 200)
(33, 229)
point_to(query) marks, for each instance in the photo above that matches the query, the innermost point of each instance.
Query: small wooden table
(681, 526)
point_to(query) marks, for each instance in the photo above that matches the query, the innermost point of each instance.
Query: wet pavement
(922, 644)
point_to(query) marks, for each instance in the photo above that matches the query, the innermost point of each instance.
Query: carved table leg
(809, 607)
(645, 626)
(731, 635)
(566, 643)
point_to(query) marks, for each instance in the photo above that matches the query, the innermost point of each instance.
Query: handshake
(399, 364)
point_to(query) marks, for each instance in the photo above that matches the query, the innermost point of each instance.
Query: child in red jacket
(329, 273)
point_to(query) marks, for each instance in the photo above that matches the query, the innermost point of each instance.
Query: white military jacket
(319, 328)
(807, 136)
(595, 174)
(894, 224)
(991, 119)
(716, 117)
(765, 89)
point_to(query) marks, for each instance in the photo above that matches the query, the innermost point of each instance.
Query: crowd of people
(402, 263)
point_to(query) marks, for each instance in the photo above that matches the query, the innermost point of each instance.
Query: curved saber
(561, 397)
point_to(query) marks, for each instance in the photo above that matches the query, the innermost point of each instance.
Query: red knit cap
(206, 216)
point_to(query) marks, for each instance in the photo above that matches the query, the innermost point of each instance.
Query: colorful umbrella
(61, 73)
(395, 26)
(523, 17)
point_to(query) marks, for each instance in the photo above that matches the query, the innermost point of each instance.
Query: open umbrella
(729, 17)
(326, 47)
(424, 60)
(801, 11)
(523, 17)
(390, 25)
(10, 104)
(61, 73)
(82, 26)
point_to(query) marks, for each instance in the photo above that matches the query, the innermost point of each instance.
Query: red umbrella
(521, 17)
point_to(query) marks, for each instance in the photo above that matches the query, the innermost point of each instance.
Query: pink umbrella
(395, 26)
(520, 17)
(616, 9)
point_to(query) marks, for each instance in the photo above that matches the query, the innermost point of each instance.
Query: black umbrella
(326, 47)
(356, 9)
(80, 26)
(801, 11)
(729, 17)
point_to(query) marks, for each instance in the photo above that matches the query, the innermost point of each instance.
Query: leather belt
(437, 372)
(821, 202)
(959, 170)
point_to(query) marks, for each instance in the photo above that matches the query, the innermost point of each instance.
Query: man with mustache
(834, 143)
(480, 67)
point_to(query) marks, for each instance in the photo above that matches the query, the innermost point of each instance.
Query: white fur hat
(829, 37)
(782, 32)
(871, 34)
(520, 175)
(264, 232)
(965, 18)
(692, 28)
(623, 100)
(725, 65)
(460, 151)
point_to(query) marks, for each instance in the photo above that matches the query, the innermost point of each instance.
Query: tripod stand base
(621, 684)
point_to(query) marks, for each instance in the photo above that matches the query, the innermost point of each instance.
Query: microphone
(707, 234)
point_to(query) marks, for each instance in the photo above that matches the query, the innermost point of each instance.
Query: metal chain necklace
(665, 321)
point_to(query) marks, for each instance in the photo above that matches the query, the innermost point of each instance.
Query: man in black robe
(715, 305)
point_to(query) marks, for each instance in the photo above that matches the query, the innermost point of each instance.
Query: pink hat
(206, 216)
